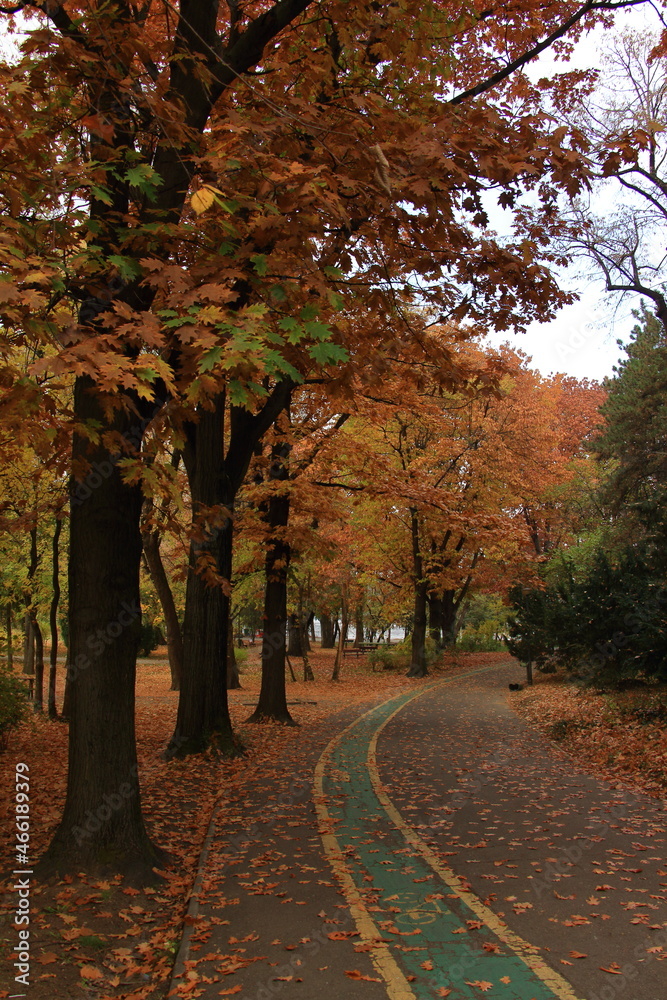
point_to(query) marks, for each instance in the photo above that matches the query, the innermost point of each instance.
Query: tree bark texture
(272, 703)
(359, 624)
(53, 617)
(203, 712)
(418, 666)
(327, 631)
(342, 635)
(102, 825)
(10, 637)
(233, 677)
(151, 543)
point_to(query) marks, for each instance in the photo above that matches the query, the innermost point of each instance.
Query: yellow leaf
(202, 199)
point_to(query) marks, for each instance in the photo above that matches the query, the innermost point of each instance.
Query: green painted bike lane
(439, 939)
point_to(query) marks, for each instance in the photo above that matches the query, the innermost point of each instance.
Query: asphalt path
(432, 846)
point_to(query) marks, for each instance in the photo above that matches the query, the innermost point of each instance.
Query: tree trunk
(28, 646)
(233, 678)
(36, 641)
(308, 674)
(10, 638)
(342, 635)
(359, 624)
(151, 543)
(302, 630)
(418, 666)
(272, 703)
(294, 647)
(435, 619)
(327, 630)
(53, 618)
(38, 689)
(203, 712)
(102, 826)
(450, 605)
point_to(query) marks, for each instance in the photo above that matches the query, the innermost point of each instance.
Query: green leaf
(292, 329)
(328, 354)
(101, 194)
(145, 179)
(318, 331)
(209, 360)
(260, 263)
(128, 267)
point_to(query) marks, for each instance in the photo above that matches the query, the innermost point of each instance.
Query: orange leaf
(232, 989)
(355, 974)
(90, 972)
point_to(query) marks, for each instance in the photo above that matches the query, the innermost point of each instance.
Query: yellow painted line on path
(527, 952)
(398, 987)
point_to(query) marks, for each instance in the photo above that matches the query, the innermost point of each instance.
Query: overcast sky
(582, 341)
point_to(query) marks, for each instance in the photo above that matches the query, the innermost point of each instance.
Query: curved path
(470, 859)
(394, 883)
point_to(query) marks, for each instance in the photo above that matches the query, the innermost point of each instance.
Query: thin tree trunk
(302, 632)
(418, 666)
(102, 825)
(10, 638)
(35, 630)
(53, 618)
(28, 646)
(38, 691)
(151, 543)
(338, 662)
(233, 678)
(308, 674)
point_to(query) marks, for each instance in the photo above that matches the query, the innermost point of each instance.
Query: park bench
(361, 649)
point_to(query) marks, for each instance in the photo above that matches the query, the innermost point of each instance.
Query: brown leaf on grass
(480, 984)
(443, 991)
(47, 957)
(428, 965)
